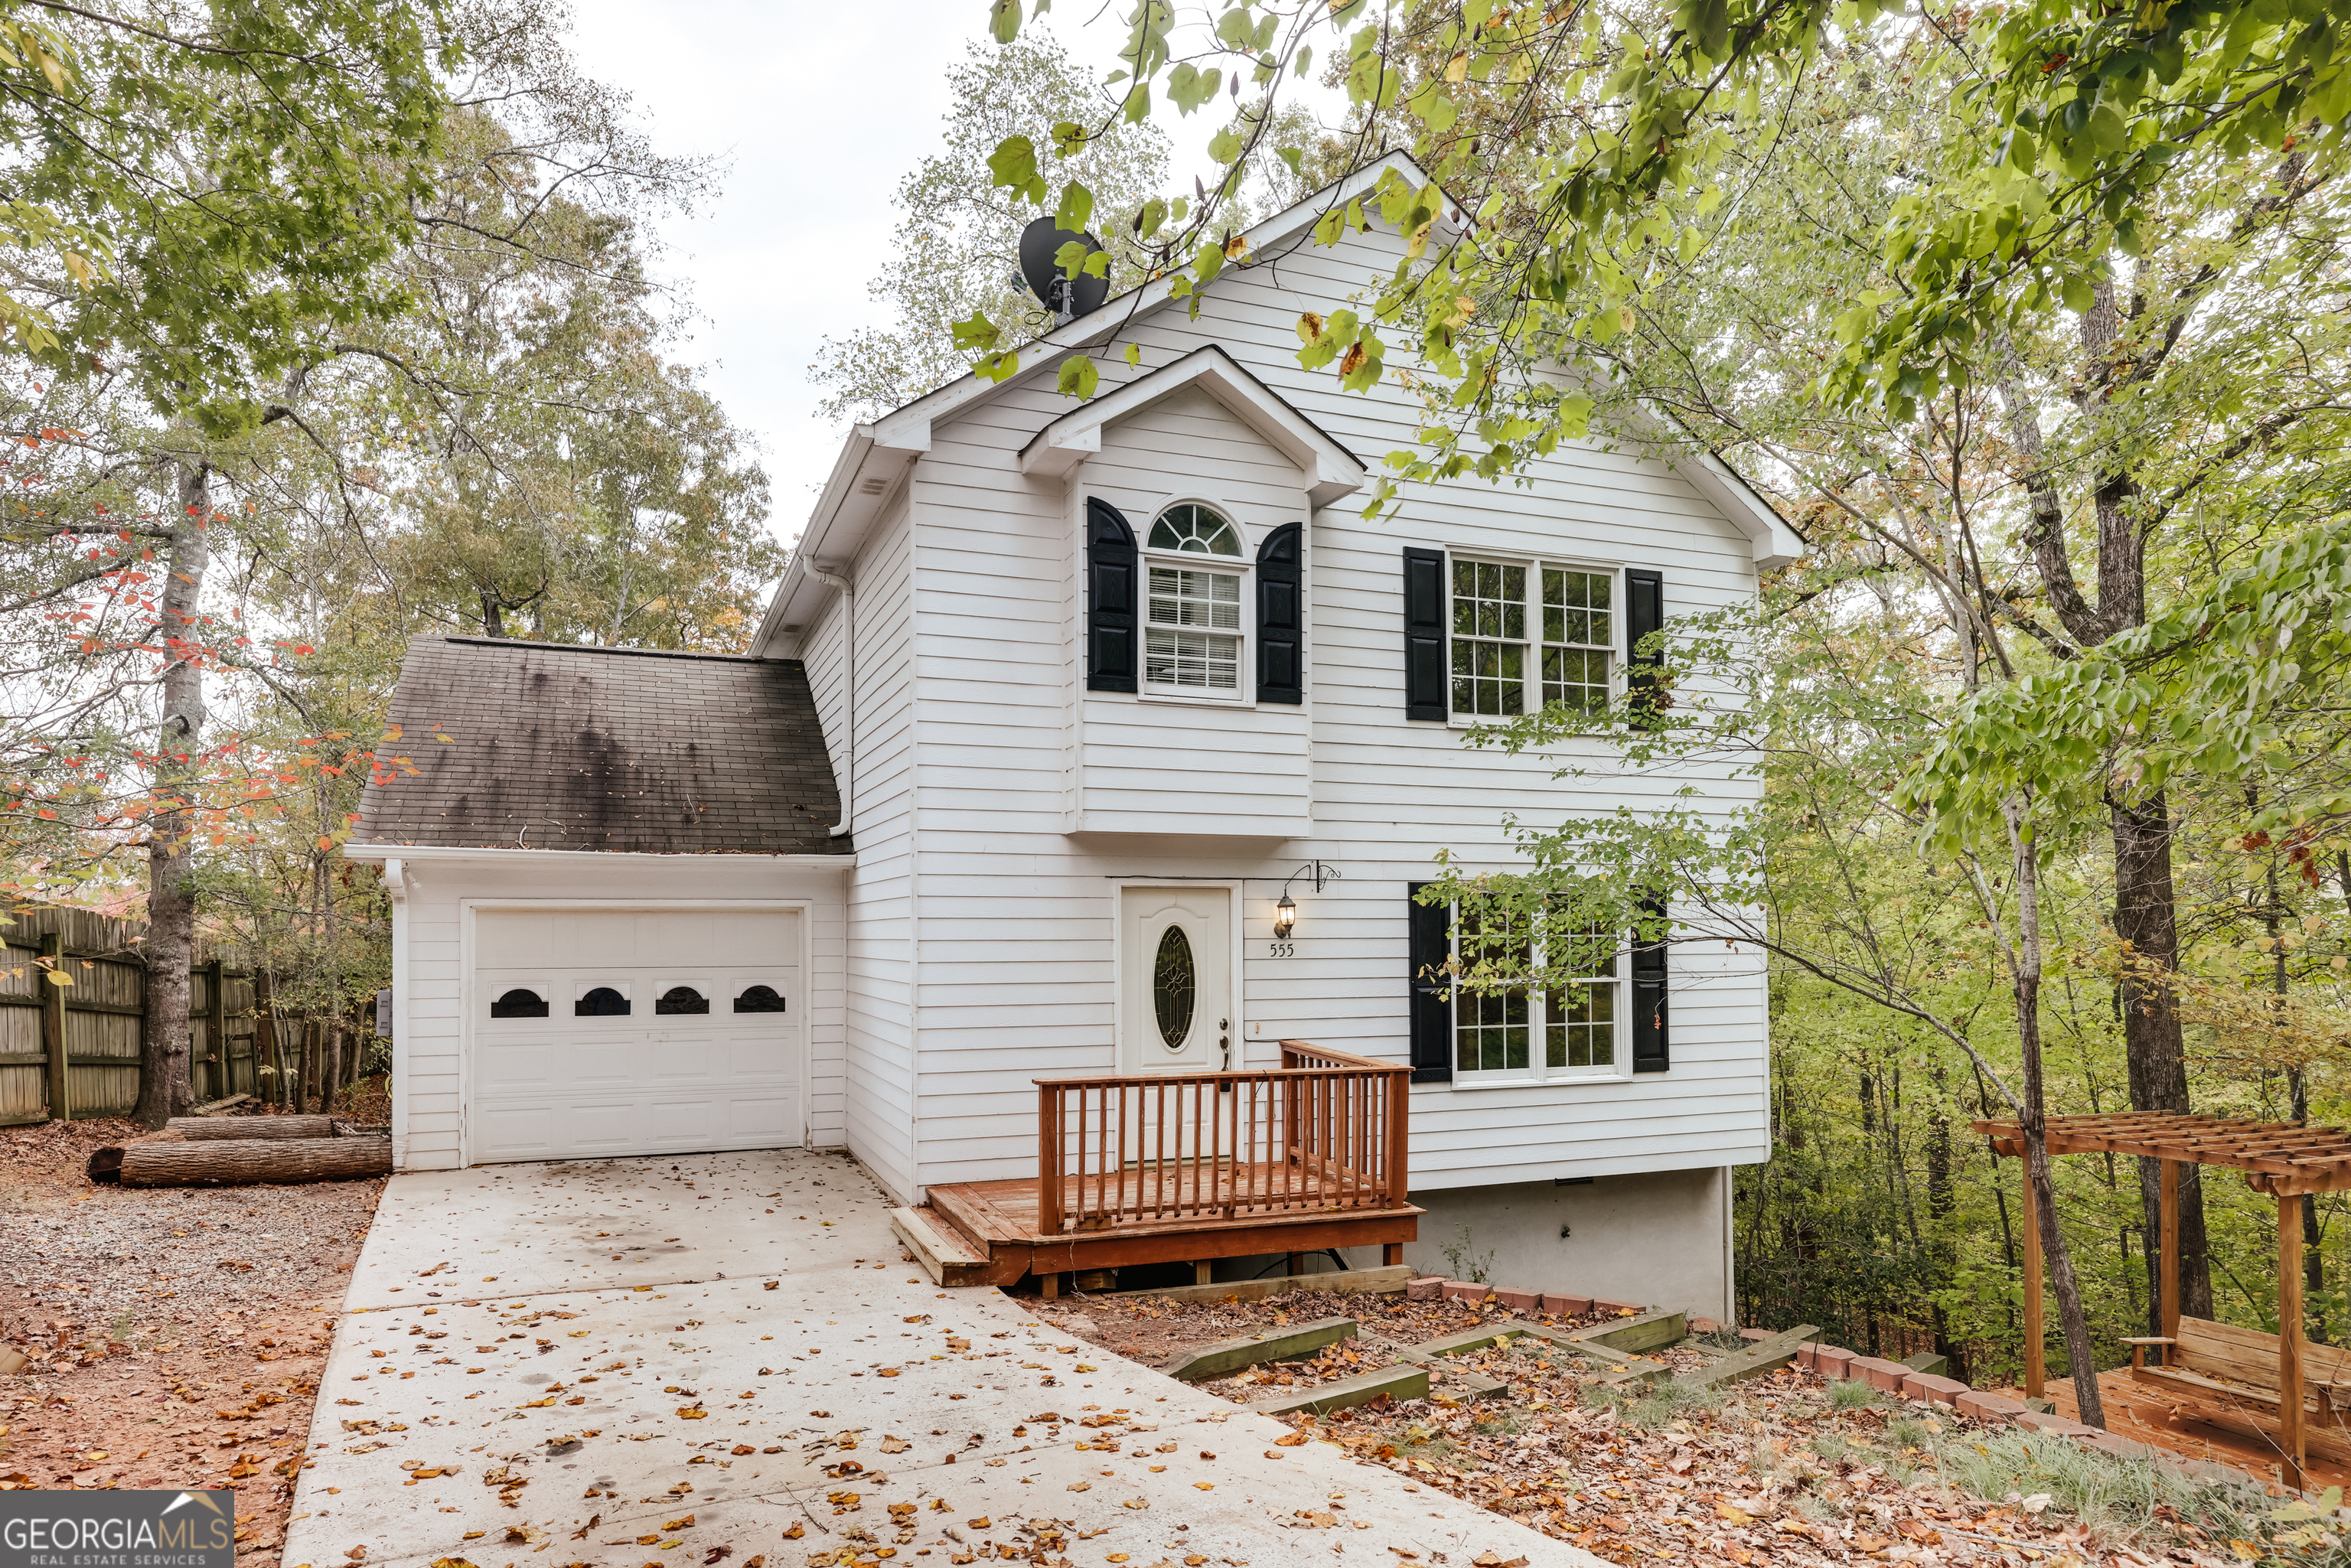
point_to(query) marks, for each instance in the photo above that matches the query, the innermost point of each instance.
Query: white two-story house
(1102, 741)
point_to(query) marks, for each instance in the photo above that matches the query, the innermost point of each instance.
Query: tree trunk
(265, 1043)
(244, 1161)
(2145, 918)
(231, 1129)
(165, 1088)
(2079, 1354)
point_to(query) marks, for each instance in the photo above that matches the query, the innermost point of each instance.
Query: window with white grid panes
(1579, 638)
(1525, 635)
(1526, 1033)
(1579, 1026)
(1492, 1029)
(1490, 638)
(1192, 628)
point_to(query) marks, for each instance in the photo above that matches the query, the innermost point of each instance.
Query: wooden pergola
(2285, 1160)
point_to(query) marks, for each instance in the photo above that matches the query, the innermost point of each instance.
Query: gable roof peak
(1331, 471)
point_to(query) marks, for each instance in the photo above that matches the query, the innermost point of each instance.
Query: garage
(599, 1033)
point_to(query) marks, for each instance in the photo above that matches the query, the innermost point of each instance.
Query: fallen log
(215, 1127)
(242, 1162)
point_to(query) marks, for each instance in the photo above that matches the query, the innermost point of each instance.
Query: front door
(1176, 990)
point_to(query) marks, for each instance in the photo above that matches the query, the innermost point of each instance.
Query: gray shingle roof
(621, 749)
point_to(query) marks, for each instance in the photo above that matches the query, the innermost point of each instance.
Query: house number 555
(1281, 950)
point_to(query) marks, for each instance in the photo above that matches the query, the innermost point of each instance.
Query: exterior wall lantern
(1285, 913)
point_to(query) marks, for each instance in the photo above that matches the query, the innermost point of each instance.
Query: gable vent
(873, 487)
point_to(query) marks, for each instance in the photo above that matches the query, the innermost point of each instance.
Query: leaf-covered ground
(1787, 1468)
(175, 1334)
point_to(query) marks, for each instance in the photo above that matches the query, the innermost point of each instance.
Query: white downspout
(849, 692)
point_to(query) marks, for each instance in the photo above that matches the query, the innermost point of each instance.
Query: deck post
(2290, 1423)
(1392, 1254)
(2036, 1351)
(2168, 1210)
(1203, 1271)
(1048, 1160)
(1297, 1264)
(1399, 1118)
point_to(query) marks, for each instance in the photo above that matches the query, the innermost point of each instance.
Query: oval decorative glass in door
(1175, 984)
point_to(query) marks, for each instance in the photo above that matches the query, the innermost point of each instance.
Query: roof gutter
(408, 856)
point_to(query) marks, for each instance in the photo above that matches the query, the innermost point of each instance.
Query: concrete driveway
(722, 1358)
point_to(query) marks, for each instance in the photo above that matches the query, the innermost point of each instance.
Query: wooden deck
(1000, 1219)
(1186, 1168)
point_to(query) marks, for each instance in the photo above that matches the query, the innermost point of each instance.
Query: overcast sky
(818, 110)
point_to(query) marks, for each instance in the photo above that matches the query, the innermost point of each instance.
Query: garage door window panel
(681, 999)
(521, 1002)
(602, 1002)
(759, 1000)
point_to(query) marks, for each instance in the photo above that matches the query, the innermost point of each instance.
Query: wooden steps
(946, 1254)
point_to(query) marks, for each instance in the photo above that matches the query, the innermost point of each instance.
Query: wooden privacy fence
(1323, 1132)
(76, 1050)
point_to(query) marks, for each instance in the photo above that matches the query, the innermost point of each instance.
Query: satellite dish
(1039, 243)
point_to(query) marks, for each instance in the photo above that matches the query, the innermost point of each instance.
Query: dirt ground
(1786, 1468)
(175, 1333)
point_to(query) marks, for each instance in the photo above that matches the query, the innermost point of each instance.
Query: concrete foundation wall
(1660, 1239)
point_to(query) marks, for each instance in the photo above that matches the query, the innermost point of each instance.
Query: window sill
(1192, 699)
(1564, 1079)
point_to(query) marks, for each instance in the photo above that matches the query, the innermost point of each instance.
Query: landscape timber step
(1629, 1368)
(1469, 1339)
(1338, 1283)
(1229, 1356)
(1402, 1382)
(1472, 1385)
(1759, 1358)
(1650, 1331)
(944, 1253)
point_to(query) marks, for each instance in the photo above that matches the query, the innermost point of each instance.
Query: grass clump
(1651, 1407)
(2118, 1496)
(1851, 1393)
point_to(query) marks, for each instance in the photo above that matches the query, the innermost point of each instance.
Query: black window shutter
(1644, 612)
(1432, 989)
(1281, 616)
(1650, 1053)
(1423, 634)
(1110, 634)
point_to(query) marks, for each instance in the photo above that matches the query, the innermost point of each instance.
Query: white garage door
(607, 1032)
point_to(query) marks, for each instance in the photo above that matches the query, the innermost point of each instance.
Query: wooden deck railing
(1324, 1132)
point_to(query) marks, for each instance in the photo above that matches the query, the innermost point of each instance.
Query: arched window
(682, 1000)
(604, 1002)
(520, 1003)
(1194, 529)
(759, 1000)
(1191, 627)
